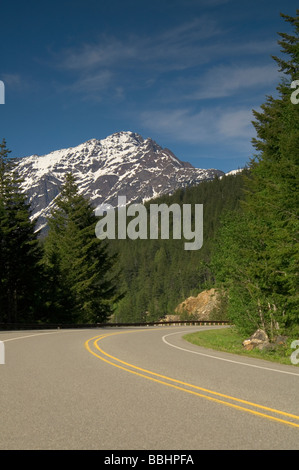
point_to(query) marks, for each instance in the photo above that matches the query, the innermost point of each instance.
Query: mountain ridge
(123, 163)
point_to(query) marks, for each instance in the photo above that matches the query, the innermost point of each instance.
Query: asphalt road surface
(140, 389)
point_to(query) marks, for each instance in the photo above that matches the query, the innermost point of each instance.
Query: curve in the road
(92, 345)
(222, 358)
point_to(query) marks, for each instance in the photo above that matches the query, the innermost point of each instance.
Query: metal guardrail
(53, 326)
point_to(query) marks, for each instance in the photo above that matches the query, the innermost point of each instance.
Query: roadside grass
(229, 340)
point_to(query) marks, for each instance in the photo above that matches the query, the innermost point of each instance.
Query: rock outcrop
(259, 340)
(200, 307)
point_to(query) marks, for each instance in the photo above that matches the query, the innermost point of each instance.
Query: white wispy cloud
(173, 48)
(227, 80)
(178, 52)
(107, 52)
(215, 124)
(91, 83)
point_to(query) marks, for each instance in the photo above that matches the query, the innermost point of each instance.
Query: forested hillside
(158, 274)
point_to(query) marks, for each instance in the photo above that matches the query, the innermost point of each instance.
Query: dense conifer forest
(158, 274)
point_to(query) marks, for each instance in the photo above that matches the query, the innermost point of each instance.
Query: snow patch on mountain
(234, 172)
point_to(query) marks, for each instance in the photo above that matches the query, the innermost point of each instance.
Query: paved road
(140, 389)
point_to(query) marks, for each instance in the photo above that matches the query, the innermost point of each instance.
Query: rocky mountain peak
(123, 163)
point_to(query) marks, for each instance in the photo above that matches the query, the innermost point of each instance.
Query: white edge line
(222, 358)
(39, 334)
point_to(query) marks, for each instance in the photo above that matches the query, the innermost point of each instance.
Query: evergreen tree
(257, 256)
(273, 190)
(20, 254)
(77, 263)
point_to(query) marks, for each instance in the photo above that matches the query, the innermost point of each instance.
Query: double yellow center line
(237, 403)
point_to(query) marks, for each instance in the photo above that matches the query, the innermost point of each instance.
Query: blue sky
(186, 73)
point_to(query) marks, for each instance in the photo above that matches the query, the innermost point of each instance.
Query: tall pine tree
(20, 254)
(78, 266)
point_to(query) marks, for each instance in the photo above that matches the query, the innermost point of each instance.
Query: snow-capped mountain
(123, 164)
